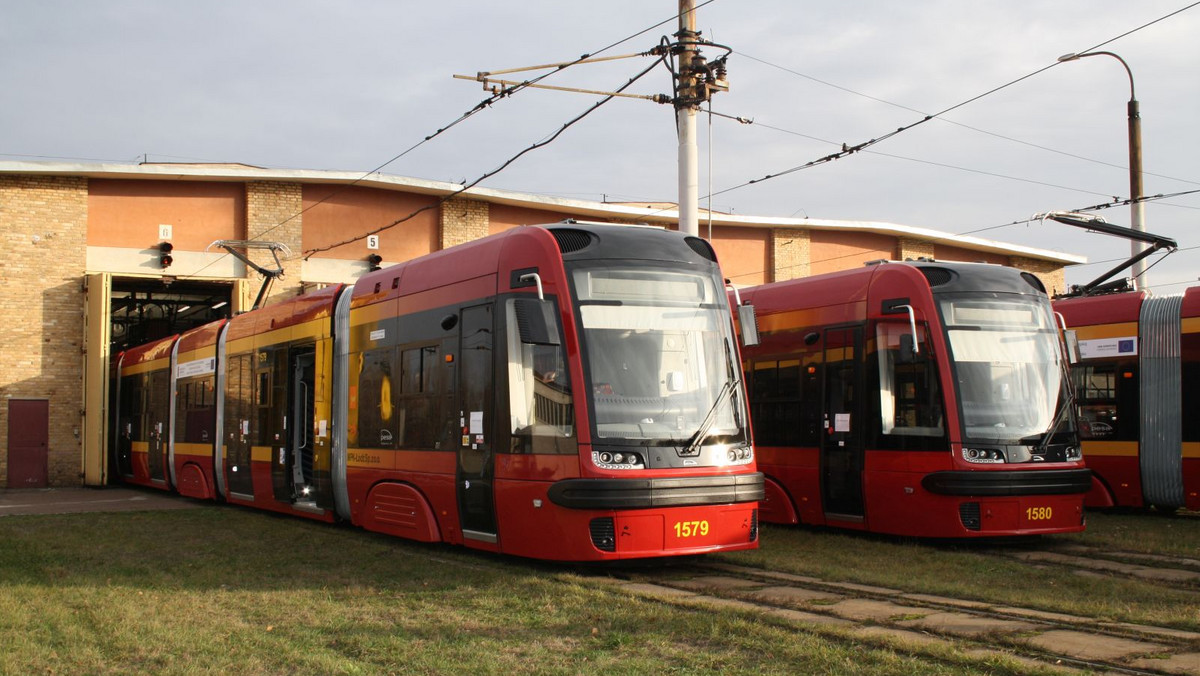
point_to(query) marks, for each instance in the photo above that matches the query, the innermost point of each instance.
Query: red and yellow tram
(565, 392)
(923, 399)
(1139, 362)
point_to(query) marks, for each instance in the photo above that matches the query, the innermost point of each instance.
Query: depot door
(475, 458)
(28, 442)
(842, 439)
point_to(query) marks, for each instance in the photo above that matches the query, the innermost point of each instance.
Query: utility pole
(685, 118)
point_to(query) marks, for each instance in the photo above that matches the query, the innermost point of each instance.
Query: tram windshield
(659, 349)
(1008, 361)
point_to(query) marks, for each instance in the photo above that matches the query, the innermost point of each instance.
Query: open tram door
(301, 420)
(842, 451)
(476, 460)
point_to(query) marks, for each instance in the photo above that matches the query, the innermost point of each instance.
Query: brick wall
(791, 254)
(462, 221)
(273, 215)
(907, 248)
(43, 253)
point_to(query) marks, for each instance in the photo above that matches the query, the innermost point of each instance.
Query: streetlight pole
(1137, 209)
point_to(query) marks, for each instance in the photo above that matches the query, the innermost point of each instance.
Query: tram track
(1178, 572)
(924, 623)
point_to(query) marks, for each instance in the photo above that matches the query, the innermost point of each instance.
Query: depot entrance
(123, 312)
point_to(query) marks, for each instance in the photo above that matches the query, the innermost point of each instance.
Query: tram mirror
(1072, 340)
(535, 321)
(749, 323)
(907, 354)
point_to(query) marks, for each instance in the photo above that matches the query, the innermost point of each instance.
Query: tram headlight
(1074, 453)
(983, 455)
(617, 460)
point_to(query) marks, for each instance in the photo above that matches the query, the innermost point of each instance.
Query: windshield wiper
(705, 425)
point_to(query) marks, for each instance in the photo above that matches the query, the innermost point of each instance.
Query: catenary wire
(506, 92)
(850, 150)
(467, 186)
(949, 121)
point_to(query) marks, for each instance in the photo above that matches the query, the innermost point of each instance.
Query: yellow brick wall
(462, 221)
(907, 248)
(43, 253)
(791, 254)
(273, 215)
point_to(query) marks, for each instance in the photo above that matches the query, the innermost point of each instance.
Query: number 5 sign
(372, 242)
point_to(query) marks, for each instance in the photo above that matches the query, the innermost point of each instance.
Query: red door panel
(28, 442)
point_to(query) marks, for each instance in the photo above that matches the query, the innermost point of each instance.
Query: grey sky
(341, 85)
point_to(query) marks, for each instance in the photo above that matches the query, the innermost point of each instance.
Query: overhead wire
(467, 186)
(487, 102)
(851, 149)
(948, 121)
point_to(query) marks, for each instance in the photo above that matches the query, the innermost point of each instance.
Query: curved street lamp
(1137, 210)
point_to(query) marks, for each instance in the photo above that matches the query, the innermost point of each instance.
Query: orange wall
(744, 253)
(502, 217)
(833, 251)
(952, 253)
(335, 213)
(127, 213)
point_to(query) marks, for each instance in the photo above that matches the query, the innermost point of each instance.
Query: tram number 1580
(691, 529)
(1038, 513)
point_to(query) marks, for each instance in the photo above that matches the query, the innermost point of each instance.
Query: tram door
(842, 438)
(475, 393)
(300, 421)
(158, 412)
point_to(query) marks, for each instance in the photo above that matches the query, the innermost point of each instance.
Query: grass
(969, 570)
(226, 590)
(1142, 532)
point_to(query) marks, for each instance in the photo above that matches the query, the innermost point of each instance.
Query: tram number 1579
(1038, 513)
(691, 529)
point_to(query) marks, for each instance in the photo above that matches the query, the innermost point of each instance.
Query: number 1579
(691, 529)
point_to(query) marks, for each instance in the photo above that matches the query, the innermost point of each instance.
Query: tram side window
(541, 406)
(418, 405)
(784, 403)
(910, 398)
(376, 410)
(1108, 406)
(195, 409)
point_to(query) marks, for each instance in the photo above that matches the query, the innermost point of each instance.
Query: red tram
(923, 399)
(564, 392)
(1137, 355)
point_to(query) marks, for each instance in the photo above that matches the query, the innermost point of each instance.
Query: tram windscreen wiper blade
(706, 424)
(1058, 420)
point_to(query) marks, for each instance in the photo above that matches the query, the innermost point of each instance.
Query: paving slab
(791, 595)
(648, 589)
(901, 636)
(717, 583)
(1103, 565)
(808, 618)
(962, 624)
(1092, 646)
(867, 610)
(1184, 663)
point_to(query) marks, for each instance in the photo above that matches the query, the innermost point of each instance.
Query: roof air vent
(937, 276)
(702, 247)
(571, 240)
(1033, 281)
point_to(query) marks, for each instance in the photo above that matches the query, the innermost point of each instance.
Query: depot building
(101, 257)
